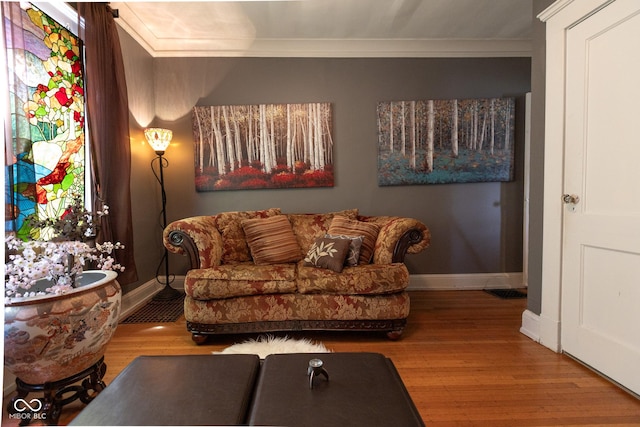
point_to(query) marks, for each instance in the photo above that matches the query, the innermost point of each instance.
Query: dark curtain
(108, 126)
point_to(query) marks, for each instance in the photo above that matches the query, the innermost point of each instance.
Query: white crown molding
(133, 26)
(316, 48)
(369, 48)
(334, 48)
(556, 7)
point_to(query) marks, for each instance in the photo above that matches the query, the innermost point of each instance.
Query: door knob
(570, 199)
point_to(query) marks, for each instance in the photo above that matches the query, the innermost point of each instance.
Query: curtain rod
(114, 12)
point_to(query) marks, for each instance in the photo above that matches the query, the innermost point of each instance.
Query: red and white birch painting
(240, 147)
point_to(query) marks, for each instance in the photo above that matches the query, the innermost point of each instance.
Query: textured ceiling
(330, 28)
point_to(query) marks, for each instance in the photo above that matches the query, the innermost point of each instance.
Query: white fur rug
(266, 345)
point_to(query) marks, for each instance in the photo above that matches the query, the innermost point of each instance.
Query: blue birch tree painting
(445, 141)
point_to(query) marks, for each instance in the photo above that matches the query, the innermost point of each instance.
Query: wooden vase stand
(56, 394)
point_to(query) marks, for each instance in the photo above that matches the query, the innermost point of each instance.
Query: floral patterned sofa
(262, 271)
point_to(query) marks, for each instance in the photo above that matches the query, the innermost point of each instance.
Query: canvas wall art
(445, 141)
(240, 147)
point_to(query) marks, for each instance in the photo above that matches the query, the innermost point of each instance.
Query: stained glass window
(45, 157)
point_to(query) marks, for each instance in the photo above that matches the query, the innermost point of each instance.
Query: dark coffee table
(176, 390)
(363, 389)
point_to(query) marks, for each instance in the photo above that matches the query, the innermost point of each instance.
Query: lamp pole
(167, 293)
(159, 140)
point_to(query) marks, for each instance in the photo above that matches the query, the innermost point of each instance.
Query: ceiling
(330, 28)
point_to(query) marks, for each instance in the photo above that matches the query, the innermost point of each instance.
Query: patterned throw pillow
(355, 243)
(351, 227)
(234, 244)
(271, 240)
(327, 253)
(308, 227)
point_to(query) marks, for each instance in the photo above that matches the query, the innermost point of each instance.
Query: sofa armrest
(197, 238)
(398, 236)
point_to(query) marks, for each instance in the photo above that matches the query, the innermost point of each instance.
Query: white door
(601, 231)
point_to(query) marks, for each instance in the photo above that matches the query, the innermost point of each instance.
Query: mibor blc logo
(27, 410)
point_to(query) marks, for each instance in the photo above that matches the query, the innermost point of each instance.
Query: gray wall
(536, 192)
(476, 228)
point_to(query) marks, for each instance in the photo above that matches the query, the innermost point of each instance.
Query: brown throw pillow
(328, 253)
(234, 244)
(351, 227)
(271, 240)
(355, 244)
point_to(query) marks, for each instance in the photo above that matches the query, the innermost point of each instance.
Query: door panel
(601, 234)
(620, 294)
(612, 173)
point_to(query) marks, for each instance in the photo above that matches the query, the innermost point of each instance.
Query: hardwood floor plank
(462, 359)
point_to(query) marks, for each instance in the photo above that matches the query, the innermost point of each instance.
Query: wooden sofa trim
(180, 239)
(392, 327)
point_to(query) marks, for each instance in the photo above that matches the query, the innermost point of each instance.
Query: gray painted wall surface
(536, 192)
(476, 228)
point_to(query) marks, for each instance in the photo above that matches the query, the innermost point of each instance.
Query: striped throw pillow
(350, 227)
(271, 240)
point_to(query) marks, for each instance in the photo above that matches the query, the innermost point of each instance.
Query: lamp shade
(158, 138)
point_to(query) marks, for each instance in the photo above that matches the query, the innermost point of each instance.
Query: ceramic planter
(51, 338)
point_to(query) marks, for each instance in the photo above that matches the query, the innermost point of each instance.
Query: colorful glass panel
(45, 159)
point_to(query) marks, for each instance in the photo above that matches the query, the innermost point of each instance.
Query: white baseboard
(531, 325)
(417, 282)
(138, 297)
(480, 281)
(550, 333)
(542, 330)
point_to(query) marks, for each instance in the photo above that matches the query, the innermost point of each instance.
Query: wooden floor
(462, 358)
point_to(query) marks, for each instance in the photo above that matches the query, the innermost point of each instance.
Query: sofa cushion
(234, 244)
(225, 281)
(370, 279)
(341, 225)
(294, 306)
(328, 253)
(308, 227)
(355, 244)
(271, 240)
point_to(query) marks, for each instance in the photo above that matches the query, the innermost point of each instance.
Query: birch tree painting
(445, 141)
(263, 146)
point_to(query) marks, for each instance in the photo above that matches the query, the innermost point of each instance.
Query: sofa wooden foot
(198, 338)
(394, 335)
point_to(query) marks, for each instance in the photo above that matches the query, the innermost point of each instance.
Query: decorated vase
(50, 338)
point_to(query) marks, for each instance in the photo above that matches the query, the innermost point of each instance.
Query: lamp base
(168, 293)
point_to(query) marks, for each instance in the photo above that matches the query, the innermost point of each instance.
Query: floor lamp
(159, 140)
